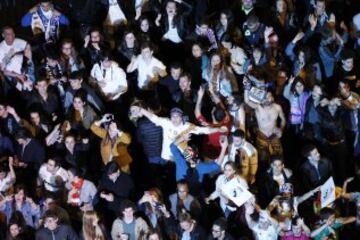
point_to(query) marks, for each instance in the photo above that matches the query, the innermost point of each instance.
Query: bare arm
(247, 100)
(224, 144)
(133, 65)
(282, 117)
(200, 94)
(11, 168)
(344, 193)
(308, 195)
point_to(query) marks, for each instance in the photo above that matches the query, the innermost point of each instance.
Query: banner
(327, 191)
(236, 192)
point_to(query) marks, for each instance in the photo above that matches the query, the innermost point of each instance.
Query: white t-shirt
(170, 132)
(220, 182)
(113, 77)
(7, 55)
(145, 70)
(49, 178)
(5, 183)
(115, 14)
(172, 34)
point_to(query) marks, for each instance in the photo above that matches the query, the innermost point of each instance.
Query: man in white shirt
(174, 127)
(110, 78)
(52, 175)
(11, 54)
(150, 69)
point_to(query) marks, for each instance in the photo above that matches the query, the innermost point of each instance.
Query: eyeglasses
(215, 231)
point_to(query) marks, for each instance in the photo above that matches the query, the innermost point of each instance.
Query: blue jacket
(181, 165)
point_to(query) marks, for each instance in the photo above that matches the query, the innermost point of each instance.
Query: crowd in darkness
(132, 119)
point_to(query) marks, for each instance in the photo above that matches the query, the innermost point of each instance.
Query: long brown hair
(90, 230)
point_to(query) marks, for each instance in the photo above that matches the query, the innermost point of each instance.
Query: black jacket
(180, 21)
(310, 177)
(62, 232)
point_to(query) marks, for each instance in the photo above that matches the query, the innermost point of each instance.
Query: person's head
(74, 175)
(75, 80)
(46, 5)
(50, 201)
(42, 85)
(8, 34)
(247, 4)
(269, 99)
(327, 214)
(204, 26)
(215, 61)
(186, 221)
(277, 165)
(52, 57)
(296, 227)
(144, 24)
(90, 223)
(175, 70)
(333, 105)
(311, 153)
(14, 229)
(51, 219)
(127, 209)
(112, 171)
(316, 92)
(19, 193)
(35, 117)
(347, 59)
(344, 88)
(53, 164)
(156, 195)
(171, 8)
(281, 6)
(146, 51)
(67, 47)
(196, 50)
(3, 112)
(230, 169)
(95, 35)
(153, 235)
(298, 86)
(113, 127)
(70, 142)
(106, 59)
(22, 136)
(226, 41)
(80, 100)
(218, 114)
(226, 17)
(253, 23)
(320, 7)
(185, 82)
(238, 137)
(281, 77)
(176, 116)
(182, 189)
(129, 38)
(218, 228)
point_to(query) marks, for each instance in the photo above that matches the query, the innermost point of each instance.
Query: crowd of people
(130, 120)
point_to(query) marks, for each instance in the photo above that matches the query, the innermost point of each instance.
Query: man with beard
(269, 132)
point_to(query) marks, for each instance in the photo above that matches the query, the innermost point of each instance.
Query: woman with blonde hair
(91, 229)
